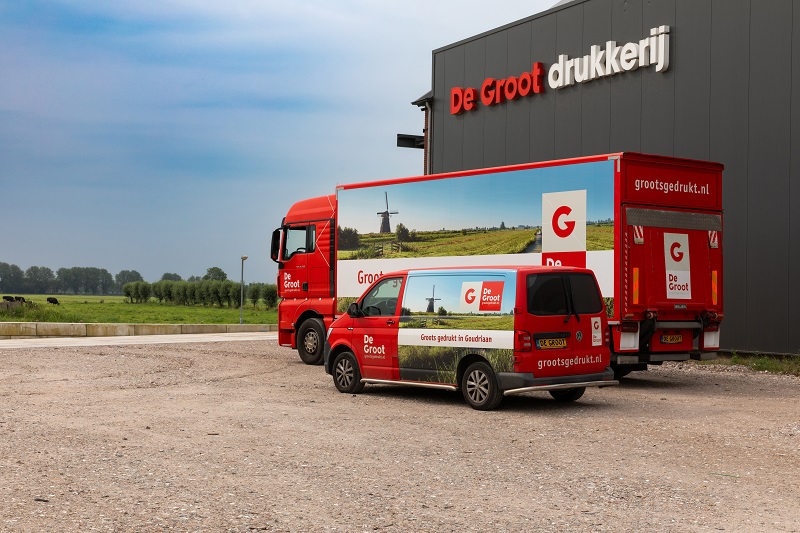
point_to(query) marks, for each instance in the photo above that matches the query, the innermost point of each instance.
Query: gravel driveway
(241, 436)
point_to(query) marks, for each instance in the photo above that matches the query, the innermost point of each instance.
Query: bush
(254, 293)
(270, 295)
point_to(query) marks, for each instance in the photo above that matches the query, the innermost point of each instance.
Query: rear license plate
(545, 344)
(671, 339)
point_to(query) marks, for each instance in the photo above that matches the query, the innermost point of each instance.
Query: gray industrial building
(730, 94)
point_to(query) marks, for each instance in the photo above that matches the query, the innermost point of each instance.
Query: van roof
(533, 269)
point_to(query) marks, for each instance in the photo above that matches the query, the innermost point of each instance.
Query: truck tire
(346, 375)
(567, 395)
(311, 341)
(479, 387)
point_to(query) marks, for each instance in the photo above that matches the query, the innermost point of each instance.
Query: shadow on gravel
(641, 380)
(529, 402)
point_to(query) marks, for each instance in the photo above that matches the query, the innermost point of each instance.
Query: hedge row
(206, 292)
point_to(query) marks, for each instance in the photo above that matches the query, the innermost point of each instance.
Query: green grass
(478, 322)
(469, 242)
(116, 310)
(790, 364)
(451, 243)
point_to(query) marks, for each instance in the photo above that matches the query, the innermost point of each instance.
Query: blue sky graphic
(513, 198)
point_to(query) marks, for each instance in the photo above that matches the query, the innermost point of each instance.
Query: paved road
(138, 339)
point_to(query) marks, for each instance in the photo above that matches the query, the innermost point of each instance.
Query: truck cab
(304, 248)
(488, 332)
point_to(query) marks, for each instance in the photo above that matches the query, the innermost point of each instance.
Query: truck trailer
(650, 227)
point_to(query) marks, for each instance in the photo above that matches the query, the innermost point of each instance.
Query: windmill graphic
(385, 216)
(431, 300)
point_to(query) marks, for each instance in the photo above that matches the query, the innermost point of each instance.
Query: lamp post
(241, 298)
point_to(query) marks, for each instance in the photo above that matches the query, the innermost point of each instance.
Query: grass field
(116, 310)
(468, 242)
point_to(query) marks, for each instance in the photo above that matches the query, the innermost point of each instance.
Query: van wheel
(479, 387)
(567, 395)
(346, 375)
(311, 341)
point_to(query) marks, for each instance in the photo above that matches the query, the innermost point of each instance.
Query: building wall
(731, 94)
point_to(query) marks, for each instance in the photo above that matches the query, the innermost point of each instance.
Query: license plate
(671, 339)
(545, 344)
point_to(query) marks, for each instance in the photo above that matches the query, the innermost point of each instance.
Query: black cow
(19, 299)
(52, 300)
(8, 298)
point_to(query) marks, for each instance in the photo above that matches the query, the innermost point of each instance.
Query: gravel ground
(241, 436)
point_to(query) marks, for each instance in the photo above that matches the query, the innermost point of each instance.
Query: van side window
(381, 300)
(299, 240)
(546, 294)
(585, 295)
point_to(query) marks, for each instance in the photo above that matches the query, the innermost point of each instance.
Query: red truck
(650, 227)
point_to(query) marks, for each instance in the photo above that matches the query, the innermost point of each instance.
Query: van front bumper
(517, 383)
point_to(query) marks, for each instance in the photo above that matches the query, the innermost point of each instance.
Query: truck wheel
(346, 375)
(311, 341)
(567, 395)
(479, 387)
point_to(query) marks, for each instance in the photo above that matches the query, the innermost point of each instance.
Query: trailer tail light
(714, 293)
(522, 341)
(629, 327)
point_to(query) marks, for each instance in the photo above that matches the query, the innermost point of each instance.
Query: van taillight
(522, 341)
(607, 337)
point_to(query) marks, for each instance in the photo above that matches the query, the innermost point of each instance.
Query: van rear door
(565, 316)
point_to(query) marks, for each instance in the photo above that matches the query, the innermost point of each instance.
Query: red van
(487, 331)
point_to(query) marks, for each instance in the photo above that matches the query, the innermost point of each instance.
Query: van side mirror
(353, 310)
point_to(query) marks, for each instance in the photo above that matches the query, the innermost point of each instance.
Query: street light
(241, 298)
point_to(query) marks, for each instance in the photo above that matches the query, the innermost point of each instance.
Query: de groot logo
(483, 296)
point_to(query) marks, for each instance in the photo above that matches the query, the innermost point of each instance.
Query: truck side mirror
(353, 310)
(276, 245)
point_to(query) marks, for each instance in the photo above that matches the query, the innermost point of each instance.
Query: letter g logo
(569, 225)
(675, 252)
(469, 296)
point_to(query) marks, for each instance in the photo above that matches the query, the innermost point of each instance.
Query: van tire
(311, 341)
(346, 375)
(567, 395)
(479, 387)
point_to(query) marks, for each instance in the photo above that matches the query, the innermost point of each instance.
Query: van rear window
(547, 294)
(585, 296)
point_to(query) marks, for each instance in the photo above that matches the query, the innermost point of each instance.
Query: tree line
(83, 280)
(205, 292)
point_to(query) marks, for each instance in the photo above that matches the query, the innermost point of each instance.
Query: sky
(173, 135)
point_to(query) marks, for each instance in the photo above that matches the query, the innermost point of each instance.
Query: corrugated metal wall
(728, 96)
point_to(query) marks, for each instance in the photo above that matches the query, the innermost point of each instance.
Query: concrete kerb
(17, 330)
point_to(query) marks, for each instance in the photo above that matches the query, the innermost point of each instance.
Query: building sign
(600, 62)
